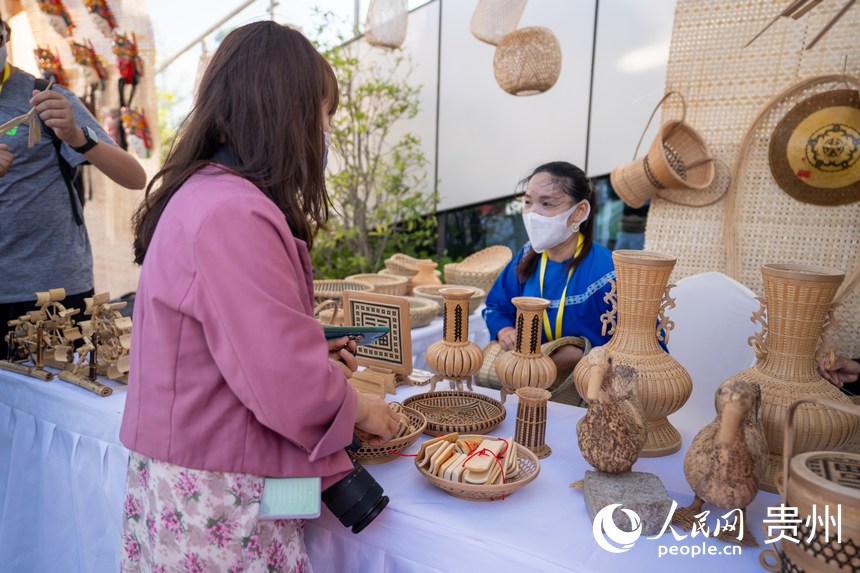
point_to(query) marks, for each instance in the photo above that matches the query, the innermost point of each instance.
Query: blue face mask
(327, 141)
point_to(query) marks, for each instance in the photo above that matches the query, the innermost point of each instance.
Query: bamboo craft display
(526, 365)
(822, 484)
(493, 19)
(383, 284)
(741, 95)
(795, 315)
(527, 61)
(455, 357)
(481, 269)
(531, 420)
(639, 299)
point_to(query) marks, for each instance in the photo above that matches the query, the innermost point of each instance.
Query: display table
(62, 481)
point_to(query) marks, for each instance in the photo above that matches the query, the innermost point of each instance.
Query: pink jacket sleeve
(249, 295)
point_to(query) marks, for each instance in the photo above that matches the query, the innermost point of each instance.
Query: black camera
(357, 499)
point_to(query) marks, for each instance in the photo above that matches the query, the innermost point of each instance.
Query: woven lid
(833, 476)
(815, 149)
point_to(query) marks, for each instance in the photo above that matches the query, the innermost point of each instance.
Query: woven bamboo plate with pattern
(455, 411)
(387, 451)
(529, 470)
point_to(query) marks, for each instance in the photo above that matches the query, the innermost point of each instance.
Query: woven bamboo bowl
(402, 265)
(387, 451)
(456, 411)
(432, 292)
(481, 269)
(529, 470)
(333, 289)
(383, 284)
(422, 311)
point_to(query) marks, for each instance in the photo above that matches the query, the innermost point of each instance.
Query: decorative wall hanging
(815, 149)
(94, 73)
(58, 15)
(455, 357)
(640, 299)
(102, 15)
(51, 66)
(130, 66)
(799, 311)
(527, 61)
(494, 19)
(678, 158)
(386, 23)
(136, 131)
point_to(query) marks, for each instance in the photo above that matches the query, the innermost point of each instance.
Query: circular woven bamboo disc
(815, 149)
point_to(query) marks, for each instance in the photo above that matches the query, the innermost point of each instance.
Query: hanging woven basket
(386, 23)
(527, 61)
(494, 19)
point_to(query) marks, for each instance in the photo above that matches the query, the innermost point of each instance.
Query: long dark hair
(261, 97)
(571, 180)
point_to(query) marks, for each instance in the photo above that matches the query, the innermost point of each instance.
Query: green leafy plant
(378, 185)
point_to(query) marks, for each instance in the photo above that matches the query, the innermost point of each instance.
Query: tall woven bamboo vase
(795, 315)
(531, 420)
(639, 299)
(525, 365)
(455, 357)
(818, 483)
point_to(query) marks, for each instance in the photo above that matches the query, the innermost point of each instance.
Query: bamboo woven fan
(386, 23)
(455, 411)
(383, 284)
(493, 19)
(431, 292)
(527, 61)
(481, 269)
(815, 149)
(387, 451)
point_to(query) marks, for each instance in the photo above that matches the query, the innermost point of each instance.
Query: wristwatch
(91, 137)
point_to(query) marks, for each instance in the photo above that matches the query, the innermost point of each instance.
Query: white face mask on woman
(547, 232)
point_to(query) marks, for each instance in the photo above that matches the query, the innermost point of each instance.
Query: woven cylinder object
(531, 420)
(527, 61)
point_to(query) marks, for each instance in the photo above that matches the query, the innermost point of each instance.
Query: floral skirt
(193, 521)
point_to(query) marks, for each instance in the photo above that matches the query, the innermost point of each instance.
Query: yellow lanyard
(560, 316)
(6, 71)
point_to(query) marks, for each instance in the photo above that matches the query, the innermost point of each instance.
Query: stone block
(638, 491)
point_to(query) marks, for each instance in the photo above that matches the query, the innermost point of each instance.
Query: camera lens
(355, 500)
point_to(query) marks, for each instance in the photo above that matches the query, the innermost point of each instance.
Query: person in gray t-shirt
(42, 246)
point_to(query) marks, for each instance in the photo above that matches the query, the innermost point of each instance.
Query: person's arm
(56, 112)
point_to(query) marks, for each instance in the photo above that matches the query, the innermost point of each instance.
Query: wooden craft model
(727, 457)
(612, 433)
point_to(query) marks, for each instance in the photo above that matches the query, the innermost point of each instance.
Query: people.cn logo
(609, 536)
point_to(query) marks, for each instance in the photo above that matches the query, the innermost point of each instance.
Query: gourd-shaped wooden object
(612, 433)
(640, 297)
(526, 365)
(455, 357)
(798, 308)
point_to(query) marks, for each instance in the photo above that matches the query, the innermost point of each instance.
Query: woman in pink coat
(232, 379)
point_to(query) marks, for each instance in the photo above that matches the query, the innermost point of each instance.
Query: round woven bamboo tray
(454, 411)
(432, 292)
(422, 311)
(333, 289)
(479, 269)
(529, 470)
(385, 452)
(383, 284)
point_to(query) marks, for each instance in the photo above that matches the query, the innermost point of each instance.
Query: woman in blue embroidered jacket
(560, 263)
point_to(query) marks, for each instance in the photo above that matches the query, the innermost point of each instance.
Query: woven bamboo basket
(481, 269)
(402, 265)
(529, 470)
(799, 308)
(494, 19)
(387, 451)
(422, 311)
(818, 483)
(527, 61)
(383, 284)
(386, 24)
(455, 411)
(531, 420)
(432, 292)
(332, 289)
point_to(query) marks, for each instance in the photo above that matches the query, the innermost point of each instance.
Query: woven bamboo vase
(455, 357)
(525, 365)
(531, 420)
(798, 304)
(426, 275)
(640, 297)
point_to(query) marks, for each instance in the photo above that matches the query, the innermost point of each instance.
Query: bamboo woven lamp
(527, 61)
(386, 23)
(494, 19)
